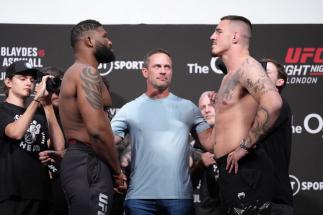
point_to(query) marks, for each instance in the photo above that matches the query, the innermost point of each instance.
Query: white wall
(160, 12)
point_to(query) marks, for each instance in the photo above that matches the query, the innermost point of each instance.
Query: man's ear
(235, 37)
(144, 72)
(89, 41)
(280, 82)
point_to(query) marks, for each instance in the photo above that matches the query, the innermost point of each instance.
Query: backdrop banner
(298, 47)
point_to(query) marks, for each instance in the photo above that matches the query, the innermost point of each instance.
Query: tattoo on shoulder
(92, 85)
(259, 83)
(260, 86)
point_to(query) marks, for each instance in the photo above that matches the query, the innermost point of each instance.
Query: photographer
(25, 131)
(58, 205)
(53, 84)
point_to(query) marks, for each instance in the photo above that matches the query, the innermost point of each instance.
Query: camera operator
(53, 84)
(58, 205)
(25, 131)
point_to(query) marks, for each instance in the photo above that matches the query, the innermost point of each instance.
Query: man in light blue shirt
(158, 124)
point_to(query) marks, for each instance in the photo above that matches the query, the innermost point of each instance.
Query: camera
(53, 85)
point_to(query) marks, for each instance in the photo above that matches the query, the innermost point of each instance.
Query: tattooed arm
(254, 79)
(90, 102)
(266, 94)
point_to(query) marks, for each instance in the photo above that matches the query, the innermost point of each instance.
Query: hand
(125, 159)
(120, 182)
(207, 158)
(50, 156)
(41, 94)
(212, 96)
(233, 158)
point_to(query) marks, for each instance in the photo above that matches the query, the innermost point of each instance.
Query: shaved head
(240, 25)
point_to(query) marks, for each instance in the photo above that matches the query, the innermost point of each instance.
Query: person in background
(52, 156)
(25, 131)
(58, 204)
(205, 172)
(278, 143)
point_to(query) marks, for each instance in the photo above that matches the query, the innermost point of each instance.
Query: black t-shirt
(21, 172)
(205, 185)
(278, 146)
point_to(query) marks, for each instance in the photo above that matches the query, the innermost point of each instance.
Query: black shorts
(86, 181)
(19, 206)
(250, 190)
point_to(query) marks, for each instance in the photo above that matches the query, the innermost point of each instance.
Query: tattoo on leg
(92, 85)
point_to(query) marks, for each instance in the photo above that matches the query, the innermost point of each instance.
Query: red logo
(41, 53)
(303, 55)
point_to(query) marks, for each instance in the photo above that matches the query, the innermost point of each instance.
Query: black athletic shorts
(18, 206)
(86, 181)
(250, 190)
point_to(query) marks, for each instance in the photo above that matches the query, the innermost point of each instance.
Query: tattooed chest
(230, 90)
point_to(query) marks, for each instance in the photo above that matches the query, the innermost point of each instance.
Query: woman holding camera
(25, 131)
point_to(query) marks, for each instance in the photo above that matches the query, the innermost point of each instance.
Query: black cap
(21, 67)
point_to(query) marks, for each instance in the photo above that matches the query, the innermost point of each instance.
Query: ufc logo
(302, 55)
(103, 204)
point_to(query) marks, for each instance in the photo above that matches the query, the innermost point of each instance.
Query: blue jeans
(159, 206)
